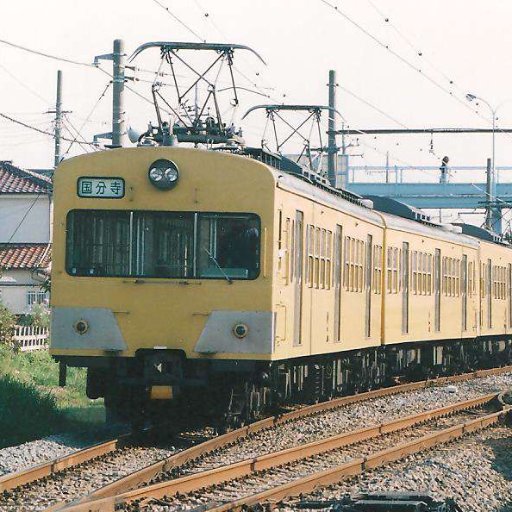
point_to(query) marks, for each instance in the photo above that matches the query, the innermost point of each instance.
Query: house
(25, 269)
(25, 236)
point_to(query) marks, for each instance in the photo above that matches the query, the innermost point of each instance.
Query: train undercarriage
(235, 392)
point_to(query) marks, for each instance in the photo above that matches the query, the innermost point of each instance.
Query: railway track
(53, 469)
(257, 477)
(358, 465)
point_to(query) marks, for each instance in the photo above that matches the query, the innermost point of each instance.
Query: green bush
(40, 316)
(26, 412)
(7, 323)
(31, 398)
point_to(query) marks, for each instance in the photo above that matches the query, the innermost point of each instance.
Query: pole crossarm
(408, 131)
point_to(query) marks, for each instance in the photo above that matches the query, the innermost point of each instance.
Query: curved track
(175, 462)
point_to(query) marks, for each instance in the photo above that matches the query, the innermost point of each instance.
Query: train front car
(160, 279)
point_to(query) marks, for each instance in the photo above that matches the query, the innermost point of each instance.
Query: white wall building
(25, 235)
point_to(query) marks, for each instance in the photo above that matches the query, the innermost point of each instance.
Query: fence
(29, 338)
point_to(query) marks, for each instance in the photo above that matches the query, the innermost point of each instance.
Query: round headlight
(163, 174)
(240, 330)
(81, 327)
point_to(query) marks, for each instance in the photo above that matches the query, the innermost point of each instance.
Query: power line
(182, 23)
(408, 41)
(44, 132)
(426, 59)
(47, 55)
(73, 132)
(102, 95)
(23, 218)
(377, 109)
(400, 57)
(71, 61)
(202, 39)
(24, 85)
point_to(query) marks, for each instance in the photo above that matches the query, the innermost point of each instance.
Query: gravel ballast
(16, 458)
(476, 471)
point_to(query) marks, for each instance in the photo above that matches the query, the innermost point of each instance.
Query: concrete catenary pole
(58, 120)
(118, 113)
(489, 197)
(331, 144)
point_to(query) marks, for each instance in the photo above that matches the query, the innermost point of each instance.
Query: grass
(32, 405)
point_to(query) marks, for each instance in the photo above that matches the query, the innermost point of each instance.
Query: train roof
(393, 221)
(392, 213)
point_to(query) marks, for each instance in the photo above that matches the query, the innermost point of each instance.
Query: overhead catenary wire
(47, 55)
(75, 62)
(400, 57)
(374, 107)
(181, 22)
(410, 43)
(422, 55)
(202, 40)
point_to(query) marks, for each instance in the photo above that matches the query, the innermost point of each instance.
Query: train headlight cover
(163, 174)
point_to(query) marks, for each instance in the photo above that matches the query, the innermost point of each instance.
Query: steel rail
(358, 466)
(31, 474)
(200, 480)
(148, 473)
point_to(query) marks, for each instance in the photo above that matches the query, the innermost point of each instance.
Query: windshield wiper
(210, 255)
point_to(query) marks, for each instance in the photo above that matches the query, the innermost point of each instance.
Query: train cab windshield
(186, 245)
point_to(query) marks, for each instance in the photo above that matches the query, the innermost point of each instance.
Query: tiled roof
(24, 256)
(14, 180)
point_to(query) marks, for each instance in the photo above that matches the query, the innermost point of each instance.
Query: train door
(464, 292)
(337, 282)
(489, 294)
(299, 265)
(368, 291)
(437, 290)
(405, 287)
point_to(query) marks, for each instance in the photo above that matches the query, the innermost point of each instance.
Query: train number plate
(107, 188)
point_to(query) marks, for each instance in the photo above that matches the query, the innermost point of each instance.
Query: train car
(178, 272)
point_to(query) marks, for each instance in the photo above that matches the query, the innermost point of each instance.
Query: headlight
(163, 174)
(81, 327)
(240, 330)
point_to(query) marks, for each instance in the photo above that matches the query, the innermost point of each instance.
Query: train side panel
(328, 268)
(494, 273)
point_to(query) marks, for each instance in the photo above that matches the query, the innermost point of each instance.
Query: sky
(411, 61)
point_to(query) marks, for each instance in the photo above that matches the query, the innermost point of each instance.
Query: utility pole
(488, 193)
(492, 210)
(332, 149)
(57, 123)
(58, 120)
(118, 113)
(118, 58)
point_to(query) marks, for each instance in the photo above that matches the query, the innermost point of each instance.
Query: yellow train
(179, 270)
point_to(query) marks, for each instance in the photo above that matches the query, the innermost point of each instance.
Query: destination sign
(106, 188)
